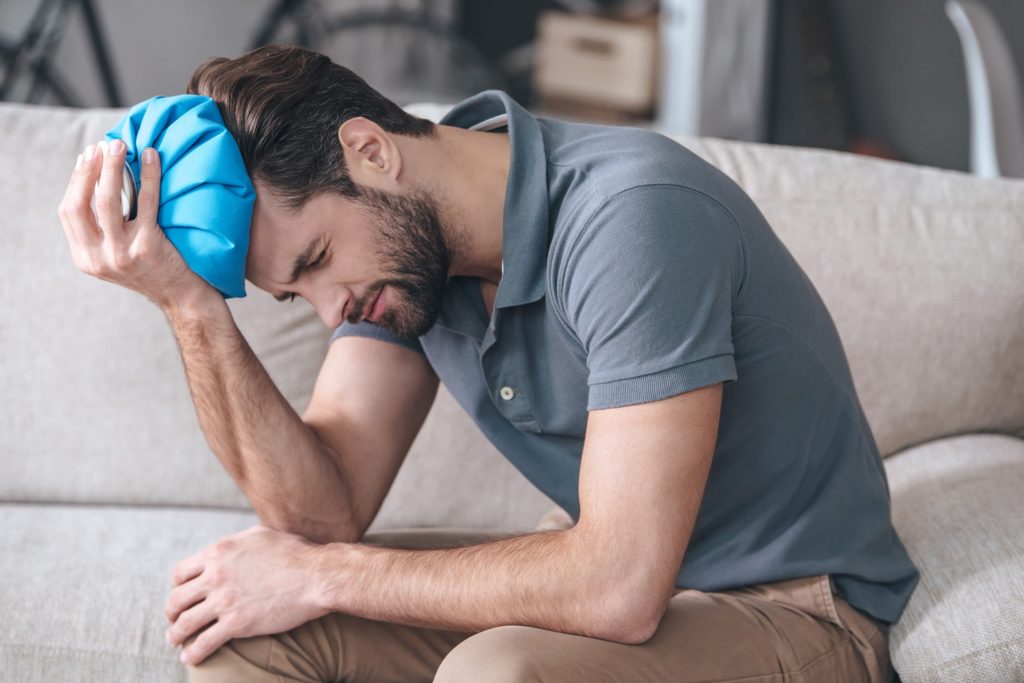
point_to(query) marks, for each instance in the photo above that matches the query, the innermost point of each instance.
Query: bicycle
(31, 56)
(411, 55)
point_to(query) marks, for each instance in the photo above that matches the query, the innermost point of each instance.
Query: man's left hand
(256, 582)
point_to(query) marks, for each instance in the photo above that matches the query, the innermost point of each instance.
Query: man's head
(335, 219)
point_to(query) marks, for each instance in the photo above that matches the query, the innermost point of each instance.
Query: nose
(329, 305)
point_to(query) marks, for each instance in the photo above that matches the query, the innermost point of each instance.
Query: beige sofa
(106, 479)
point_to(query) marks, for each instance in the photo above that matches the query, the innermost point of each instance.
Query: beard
(415, 250)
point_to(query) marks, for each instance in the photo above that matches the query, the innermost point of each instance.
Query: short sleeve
(373, 331)
(648, 287)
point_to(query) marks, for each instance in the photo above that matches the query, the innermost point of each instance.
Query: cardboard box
(598, 62)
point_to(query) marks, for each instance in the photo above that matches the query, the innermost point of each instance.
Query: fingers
(75, 208)
(149, 194)
(208, 642)
(190, 621)
(108, 191)
(186, 570)
(183, 597)
(69, 231)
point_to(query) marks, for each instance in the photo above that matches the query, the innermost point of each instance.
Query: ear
(371, 155)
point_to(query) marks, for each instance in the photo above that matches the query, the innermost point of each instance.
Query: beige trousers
(794, 630)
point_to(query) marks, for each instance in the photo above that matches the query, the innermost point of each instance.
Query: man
(617, 317)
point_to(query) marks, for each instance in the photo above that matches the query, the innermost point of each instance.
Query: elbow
(315, 532)
(630, 630)
(287, 519)
(627, 616)
(624, 601)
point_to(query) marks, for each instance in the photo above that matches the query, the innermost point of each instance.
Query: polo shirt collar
(525, 228)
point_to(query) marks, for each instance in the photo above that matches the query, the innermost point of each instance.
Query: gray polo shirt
(635, 271)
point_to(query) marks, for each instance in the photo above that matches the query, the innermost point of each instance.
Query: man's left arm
(642, 477)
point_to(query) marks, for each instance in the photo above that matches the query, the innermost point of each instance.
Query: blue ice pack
(206, 196)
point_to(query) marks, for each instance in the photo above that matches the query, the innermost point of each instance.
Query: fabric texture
(649, 285)
(634, 271)
(206, 197)
(957, 502)
(84, 588)
(796, 630)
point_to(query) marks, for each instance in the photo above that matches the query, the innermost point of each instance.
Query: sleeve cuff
(662, 384)
(366, 329)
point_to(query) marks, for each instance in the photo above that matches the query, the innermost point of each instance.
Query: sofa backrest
(922, 269)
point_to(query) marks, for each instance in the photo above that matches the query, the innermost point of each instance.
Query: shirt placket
(508, 388)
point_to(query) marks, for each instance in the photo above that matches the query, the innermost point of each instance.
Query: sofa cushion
(84, 586)
(957, 506)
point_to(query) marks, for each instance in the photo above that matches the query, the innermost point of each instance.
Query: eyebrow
(302, 262)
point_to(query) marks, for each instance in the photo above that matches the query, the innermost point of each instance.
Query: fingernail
(148, 155)
(102, 144)
(90, 152)
(116, 147)
(183, 658)
(78, 162)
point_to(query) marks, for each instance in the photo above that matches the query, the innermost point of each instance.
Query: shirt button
(507, 393)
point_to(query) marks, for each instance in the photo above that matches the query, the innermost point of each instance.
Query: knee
(504, 654)
(310, 653)
(236, 661)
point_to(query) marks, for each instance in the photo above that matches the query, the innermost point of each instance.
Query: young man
(620, 321)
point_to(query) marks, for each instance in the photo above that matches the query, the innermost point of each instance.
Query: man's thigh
(794, 631)
(797, 630)
(336, 647)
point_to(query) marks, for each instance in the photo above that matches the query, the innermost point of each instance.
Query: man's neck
(466, 172)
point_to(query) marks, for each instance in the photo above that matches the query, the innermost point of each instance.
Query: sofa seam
(57, 649)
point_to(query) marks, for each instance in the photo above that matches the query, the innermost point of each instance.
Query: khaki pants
(794, 630)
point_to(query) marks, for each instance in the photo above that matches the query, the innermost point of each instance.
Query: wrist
(193, 304)
(331, 582)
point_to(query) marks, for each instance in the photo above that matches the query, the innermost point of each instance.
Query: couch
(106, 479)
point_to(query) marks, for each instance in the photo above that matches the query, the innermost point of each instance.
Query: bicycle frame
(34, 52)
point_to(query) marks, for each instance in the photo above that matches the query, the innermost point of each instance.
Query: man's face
(381, 244)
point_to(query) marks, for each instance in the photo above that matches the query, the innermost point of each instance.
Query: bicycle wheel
(408, 55)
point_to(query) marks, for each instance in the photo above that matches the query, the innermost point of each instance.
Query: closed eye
(320, 259)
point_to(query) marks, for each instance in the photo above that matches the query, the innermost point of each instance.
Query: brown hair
(283, 104)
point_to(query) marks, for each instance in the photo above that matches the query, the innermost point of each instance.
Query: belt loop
(826, 587)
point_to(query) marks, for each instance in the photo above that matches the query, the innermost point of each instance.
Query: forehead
(279, 234)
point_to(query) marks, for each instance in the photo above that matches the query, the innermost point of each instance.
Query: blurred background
(934, 82)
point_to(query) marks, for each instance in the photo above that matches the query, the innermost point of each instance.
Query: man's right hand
(135, 254)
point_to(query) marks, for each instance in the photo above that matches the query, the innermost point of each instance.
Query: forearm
(277, 460)
(555, 580)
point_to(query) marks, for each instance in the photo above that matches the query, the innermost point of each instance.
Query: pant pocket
(809, 594)
(870, 638)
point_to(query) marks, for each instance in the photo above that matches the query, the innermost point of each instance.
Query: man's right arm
(323, 476)
(294, 473)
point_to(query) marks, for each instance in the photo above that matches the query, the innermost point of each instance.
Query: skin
(624, 549)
